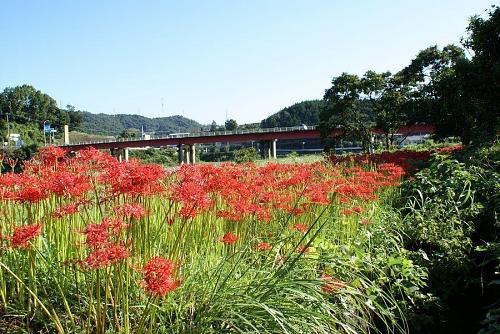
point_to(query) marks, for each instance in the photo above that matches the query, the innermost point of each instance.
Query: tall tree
(213, 126)
(25, 104)
(387, 96)
(231, 125)
(344, 110)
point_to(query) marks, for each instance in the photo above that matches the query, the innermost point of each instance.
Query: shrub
(243, 155)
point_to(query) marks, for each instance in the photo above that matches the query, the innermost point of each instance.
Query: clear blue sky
(208, 58)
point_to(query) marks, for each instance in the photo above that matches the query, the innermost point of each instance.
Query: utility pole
(8, 130)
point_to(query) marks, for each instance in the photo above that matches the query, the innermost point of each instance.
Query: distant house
(14, 138)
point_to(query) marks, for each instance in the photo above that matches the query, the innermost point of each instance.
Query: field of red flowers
(92, 245)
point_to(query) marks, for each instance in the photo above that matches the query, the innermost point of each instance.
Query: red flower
(131, 210)
(331, 285)
(264, 246)
(300, 227)
(96, 234)
(23, 234)
(229, 238)
(106, 255)
(357, 209)
(364, 221)
(159, 276)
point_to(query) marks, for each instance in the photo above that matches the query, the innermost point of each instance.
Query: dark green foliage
(27, 105)
(231, 125)
(460, 94)
(346, 111)
(116, 124)
(450, 216)
(165, 156)
(306, 112)
(248, 154)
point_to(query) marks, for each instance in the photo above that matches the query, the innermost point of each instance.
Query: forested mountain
(306, 112)
(115, 124)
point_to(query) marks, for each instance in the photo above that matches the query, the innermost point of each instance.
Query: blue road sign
(46, 128)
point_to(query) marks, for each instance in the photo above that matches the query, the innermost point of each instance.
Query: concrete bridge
(186, 142)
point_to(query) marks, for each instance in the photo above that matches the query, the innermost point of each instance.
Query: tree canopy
(27, 105)
(444, 87)
(306, 112)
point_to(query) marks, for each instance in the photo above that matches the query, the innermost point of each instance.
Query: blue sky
(209, 59)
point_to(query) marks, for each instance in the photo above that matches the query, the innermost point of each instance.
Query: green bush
(245, 155)
(449, 212)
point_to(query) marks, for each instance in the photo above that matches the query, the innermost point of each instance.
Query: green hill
(105, 124)
(306, 112)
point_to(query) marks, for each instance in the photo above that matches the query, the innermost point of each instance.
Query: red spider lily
(106, 255)
(50, 154)
(229, 215)
(364, 221)
(357, 209)
(263, 246)
(346, 212)
(300, 227)
(331, 285)
(115, 223)
(24, 234)
(32, 193)
(159, 276)
(133, 177)
(229, 238)
(131, 210)
(96, 235)
(66, 182)
(65, 210)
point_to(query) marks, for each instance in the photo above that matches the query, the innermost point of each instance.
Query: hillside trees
(27, 105)
(306, 112)
(342, 110)
(231, 125)
(440, 86)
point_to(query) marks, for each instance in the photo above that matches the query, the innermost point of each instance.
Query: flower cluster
(159, 276)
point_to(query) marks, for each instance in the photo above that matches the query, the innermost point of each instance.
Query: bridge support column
(119, 153)
(188, 154)
(180, 150)
(273, 148)
(192, 153)
(66, 134)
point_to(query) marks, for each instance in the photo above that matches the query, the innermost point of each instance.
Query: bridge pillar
(125, 153)
(192, 153)
(187, 155)
(273, 149)
(180, 149)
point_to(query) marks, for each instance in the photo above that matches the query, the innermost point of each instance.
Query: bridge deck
(297, 132)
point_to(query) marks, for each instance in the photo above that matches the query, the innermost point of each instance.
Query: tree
(483, 73)
(231, 125)
(386, 96)
(306, 112)
(25, 104)
(129, 134)
(439, 91)
(344, 110)
(213, 126)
